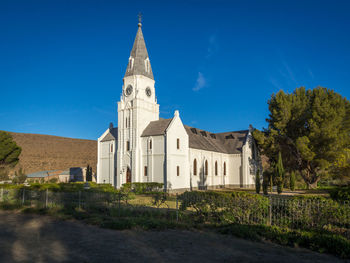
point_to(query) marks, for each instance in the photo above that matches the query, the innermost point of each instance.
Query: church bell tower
(136, 109)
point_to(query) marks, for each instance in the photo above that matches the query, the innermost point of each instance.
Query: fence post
(47, 198)
(23, 193)
(2, 194)
(79, 198)
(177, 208)
(270, 210)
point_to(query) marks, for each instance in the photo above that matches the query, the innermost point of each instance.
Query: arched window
(195, 167)
(216, 168)
(206, 168)
(224, 168)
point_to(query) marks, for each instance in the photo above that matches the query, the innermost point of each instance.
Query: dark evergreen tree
(292, 181)
(279, 173)
(257, 182)
(265, 182)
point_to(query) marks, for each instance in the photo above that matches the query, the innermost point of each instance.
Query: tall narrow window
(129, 122)
(216, 168)
(178, 170)
(111, 148)
(195, 167)
(126, 122)
(178, 143)
(145, 171)
(206, 168)
(128, 145)
(224, 168)
(150, 144)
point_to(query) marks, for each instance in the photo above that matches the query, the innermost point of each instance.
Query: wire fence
(296, 213)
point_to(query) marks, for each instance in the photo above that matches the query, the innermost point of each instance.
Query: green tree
(9, 151)
(257, 182)
(292, 181)
(310, 127)
(279, 173)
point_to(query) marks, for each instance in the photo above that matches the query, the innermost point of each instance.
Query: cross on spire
(140, 18)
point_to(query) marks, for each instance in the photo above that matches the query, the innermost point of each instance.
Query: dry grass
(46, 152)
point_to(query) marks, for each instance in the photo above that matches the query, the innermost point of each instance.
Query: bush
(234, 207)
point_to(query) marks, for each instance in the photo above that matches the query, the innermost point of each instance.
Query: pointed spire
(139, 63)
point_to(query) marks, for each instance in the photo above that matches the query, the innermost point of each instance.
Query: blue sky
(217, 62)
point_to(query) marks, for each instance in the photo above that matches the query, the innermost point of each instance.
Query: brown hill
(46, 152)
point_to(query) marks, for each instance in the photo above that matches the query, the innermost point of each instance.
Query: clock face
(128, 90)
(148, 92)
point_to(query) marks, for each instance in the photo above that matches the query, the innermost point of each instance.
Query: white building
(146, 148)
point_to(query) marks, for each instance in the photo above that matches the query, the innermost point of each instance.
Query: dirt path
(34, 238)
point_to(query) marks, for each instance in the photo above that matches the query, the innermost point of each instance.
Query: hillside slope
(46, 152)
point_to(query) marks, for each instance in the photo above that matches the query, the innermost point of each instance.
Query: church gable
(112, 135)
(156, 127)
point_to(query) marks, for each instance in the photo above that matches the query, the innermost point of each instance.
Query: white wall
(106, 160)
(177, 157)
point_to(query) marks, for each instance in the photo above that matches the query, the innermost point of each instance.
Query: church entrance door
(128, 175)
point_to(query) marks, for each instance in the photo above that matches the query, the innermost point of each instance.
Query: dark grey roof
(111, 135)
(139, 54)
(156, 127)
(227, 142)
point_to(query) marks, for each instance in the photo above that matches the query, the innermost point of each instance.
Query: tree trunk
(311, 179)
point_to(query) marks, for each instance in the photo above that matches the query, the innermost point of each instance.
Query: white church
(146, 148)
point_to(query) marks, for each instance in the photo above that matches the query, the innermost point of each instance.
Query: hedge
(235, 207)
(320, 241)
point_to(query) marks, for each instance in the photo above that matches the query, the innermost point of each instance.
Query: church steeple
(139, 63)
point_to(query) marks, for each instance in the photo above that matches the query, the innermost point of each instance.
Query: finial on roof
(140, 19)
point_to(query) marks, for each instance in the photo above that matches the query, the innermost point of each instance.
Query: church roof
(111, 135)
(138, 55)
(227, 142)
(156, 127)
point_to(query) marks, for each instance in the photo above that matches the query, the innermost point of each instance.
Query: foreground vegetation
(320, 224)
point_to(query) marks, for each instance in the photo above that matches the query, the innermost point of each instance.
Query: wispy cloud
(213, 46)
(288, 73)
(275, 83)
(200, 82)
